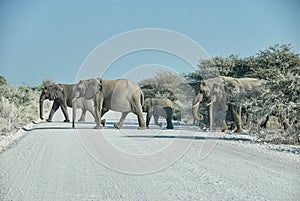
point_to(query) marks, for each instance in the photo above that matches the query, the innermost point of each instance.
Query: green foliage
(279, 66)
(18, 106)
(274, 62)
(157, 91)
(268, 64)
(172, 86)
(3, 81)
(46, 82)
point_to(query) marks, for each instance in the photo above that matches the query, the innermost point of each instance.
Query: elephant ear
(92, 88)
(231, 87)
(56, 91)
(204, 88)
(214, 92)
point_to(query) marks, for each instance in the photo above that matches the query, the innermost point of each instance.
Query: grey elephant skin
(120, 95)
(219, 91)
(159, 107)
(62, 96)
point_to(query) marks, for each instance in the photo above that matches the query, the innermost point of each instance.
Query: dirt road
(55, 162)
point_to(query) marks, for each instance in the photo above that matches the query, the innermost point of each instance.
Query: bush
(18, 106)
(172, 86)
(279, 66)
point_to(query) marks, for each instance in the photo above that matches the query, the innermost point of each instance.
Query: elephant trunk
(196, 103)
(41, 106)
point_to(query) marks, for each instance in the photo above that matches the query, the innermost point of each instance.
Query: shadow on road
(189, 137)
(130, 126)
(46, 128)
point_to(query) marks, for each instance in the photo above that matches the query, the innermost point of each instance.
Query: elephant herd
(98, 96)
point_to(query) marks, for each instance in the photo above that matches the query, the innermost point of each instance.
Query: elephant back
(163, 102)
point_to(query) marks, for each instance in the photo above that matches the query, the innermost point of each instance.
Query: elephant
(219, 91)
(62, 96)
(159, 107)
(120, 95)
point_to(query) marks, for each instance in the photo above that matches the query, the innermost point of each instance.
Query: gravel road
(55, 162)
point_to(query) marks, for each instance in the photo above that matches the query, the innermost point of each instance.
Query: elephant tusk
(196, 105)
(74, 99)
(209, 103)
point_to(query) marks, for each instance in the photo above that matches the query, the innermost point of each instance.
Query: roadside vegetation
(18, 106)
(173, 86)
(272, 113)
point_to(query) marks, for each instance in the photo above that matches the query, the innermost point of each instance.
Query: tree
(274, 62)
(172, 86)
(3, 81)
(279, 65)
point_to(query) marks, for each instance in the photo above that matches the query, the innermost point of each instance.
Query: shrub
(279, 96)
(18, 106)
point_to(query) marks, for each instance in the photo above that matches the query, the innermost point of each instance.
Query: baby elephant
(159, 107)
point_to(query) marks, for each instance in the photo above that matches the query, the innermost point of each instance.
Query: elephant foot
(118, 126)
(67, 120)
(49, 120)
(169, 127)
(103, 122)
(159, 124)
(98, 127)
(142, 128)
(239, 130)
(81, 120)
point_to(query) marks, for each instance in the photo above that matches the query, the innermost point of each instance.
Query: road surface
(55, 162)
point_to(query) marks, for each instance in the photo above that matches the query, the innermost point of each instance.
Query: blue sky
(51, 39)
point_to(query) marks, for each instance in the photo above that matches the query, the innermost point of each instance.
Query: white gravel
(55, 162)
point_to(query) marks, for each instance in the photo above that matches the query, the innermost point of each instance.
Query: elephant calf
(159, 107)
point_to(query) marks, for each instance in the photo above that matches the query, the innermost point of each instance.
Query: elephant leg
(63, 106)
(82, 118)
(169, 113)
(54, 108)
(138, 110)
(92, 111)
(103, 121)
(98, 100)
(121, 121)
(210, 115)
(155, 116)
(237, 118)
(142, 124)
(148, 117)
(224, 127)
(74, 107)
(65, 111)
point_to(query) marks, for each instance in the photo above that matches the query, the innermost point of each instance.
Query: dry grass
(18, 107)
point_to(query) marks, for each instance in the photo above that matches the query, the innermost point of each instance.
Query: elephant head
(202, 92)
(87, 88)
(220, 91)
(147, 104)
(211, 91)
(51, 92)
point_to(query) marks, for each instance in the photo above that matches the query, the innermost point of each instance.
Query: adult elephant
(159, 107)
(62, 95)
(118, 95)
(219, 91)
